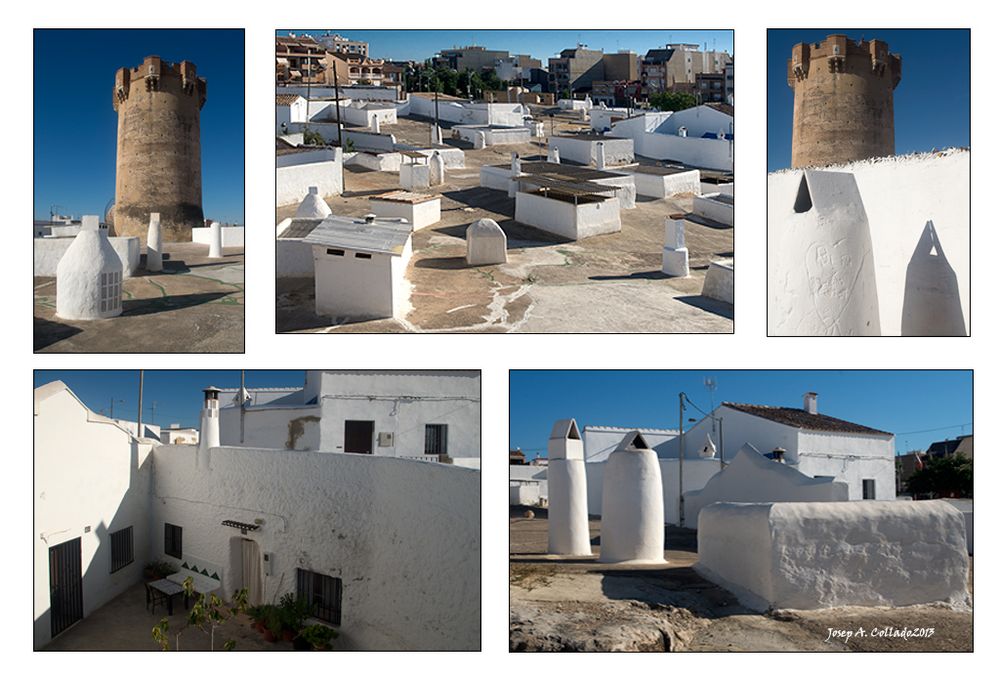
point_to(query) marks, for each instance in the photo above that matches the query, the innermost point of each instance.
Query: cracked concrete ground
(195, 305)
(559, 604)
(608, 283)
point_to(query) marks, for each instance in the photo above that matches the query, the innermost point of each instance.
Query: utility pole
(138, 425)
(243, 411)
(436, 120)
(722, 446)
(710, 386)
(336, 94)
(680, 465)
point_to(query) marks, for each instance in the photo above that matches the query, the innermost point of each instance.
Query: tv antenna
(710, 386)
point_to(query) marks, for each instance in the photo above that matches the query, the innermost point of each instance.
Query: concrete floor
(609, 283)
(194, 305)
(579, 604)
(124, 623)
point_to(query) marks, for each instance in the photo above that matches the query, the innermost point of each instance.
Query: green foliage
(672, 101)
(293, 612)
(318, 635)
(947, 477)
(208, 613)
(349, 146)
(313, 138)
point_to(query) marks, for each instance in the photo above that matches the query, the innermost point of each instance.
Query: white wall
(358, 287)
(566, 219)
(900, 194)
(617, 151)
(709, 206)
(48, 251)
(696, 473)
(232, 235)
(295, 173)
(402, 403)
(654, 137)
(600, 441)
(493, 135)
(348, 91)
(750, 477)
(831, 554)
(404, 536)
(271, 427)
(89, 473)
(664, 186)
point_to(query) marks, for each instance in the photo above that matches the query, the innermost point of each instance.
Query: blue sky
(75, 126)
(899, 402)
(404, 45)
(931, 101)
(177, 394)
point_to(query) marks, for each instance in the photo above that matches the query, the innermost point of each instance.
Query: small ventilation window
(639, 442)
(803, 201)
(334, 251)
(363, 256)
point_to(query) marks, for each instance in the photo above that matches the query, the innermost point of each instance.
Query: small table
(169, 589)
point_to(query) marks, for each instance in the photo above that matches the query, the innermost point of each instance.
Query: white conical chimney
(208, 437)
(809, 403)
(632, 504)
(215, 241)
(569, 531)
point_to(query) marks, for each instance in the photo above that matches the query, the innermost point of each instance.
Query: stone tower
(158, 169)
(843, 100)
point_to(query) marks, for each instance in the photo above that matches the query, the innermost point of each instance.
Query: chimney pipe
(809, 403)
(208, 436)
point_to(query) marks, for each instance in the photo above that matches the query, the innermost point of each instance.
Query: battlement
(156, 75)
(839, 54)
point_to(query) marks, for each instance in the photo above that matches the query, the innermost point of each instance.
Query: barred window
(322, 592)
(172, 544)
(121, 549)
(436, 438)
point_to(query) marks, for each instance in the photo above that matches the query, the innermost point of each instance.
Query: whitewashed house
(92, 486)
(385, 548)
(813, 443)
(423, 415)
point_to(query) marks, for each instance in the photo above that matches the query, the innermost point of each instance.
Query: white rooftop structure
(89, 276)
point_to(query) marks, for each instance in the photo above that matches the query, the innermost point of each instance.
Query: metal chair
(153, 597)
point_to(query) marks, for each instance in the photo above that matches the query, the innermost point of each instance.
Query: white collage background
(748, 348)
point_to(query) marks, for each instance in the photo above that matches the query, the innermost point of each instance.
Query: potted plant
(256, 614)
(318, 636)
(293, 613)
(272, 624)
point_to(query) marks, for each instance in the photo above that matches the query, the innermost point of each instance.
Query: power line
(931, 430)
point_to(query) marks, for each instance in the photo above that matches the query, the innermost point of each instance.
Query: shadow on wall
(931, 303)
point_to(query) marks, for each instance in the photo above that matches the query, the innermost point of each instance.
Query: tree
(208, 614)
(672, 101)
(949, 477)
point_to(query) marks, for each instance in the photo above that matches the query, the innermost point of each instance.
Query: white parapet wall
(418, 210)
(495, 177)
(566, 219)
(750, 477)
(296, 172)
(402, 536)
(232, 235)
(830, 554)
(662, 185)
(492, 135)
(716, 207)
(583, 149)
(720, 282)
(386, 162)
(900, 195)
(50, 250)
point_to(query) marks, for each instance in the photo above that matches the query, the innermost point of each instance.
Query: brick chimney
(809, 403)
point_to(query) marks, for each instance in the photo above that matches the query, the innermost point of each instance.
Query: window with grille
(121, 549)
(172, 545)
(435, 438)
(111, 291)
(322, 592)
